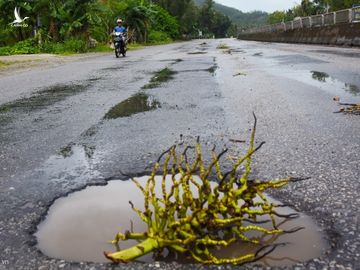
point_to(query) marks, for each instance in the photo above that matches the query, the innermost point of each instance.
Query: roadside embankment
(347, 34)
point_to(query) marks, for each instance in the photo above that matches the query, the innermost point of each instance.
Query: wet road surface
(78, 123)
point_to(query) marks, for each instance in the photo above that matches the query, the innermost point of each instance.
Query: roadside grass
(7, 64)
(135, 46)
(101, 48)
(68, 47)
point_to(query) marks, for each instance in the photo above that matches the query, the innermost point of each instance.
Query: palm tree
(138, 18)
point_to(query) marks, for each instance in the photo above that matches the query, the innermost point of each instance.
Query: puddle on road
(72, 148)
(238, 50)
(342, 53)
(177, 61)
(79, 226)
(138, 103)
(160, 77)
(297, 59)
(113, 68)
(325, 78)
(197, 52)
(213, 69)
(71, 166)
(348, 93)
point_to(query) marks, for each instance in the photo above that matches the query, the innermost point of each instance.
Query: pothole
(79, 226)
(160, 77)
(44, 98)
(197, 52)
(138, 103)
(327, 79)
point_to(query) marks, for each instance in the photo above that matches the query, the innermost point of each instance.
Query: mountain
(242, 19)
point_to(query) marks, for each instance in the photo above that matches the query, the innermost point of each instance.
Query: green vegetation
(222, 46)
(76, 26)
(6, 63)
(160, 76)
(195, 216)
(308, 8)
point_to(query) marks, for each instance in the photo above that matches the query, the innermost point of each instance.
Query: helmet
(119, 21)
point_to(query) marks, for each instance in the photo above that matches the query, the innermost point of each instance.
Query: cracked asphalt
(55, 138)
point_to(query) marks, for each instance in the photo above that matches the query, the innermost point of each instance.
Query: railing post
(334, 17)
(292, 25)
(322, 20)
(310, 21)
(350, 15)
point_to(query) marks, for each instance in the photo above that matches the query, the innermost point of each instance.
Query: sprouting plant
(215, 215)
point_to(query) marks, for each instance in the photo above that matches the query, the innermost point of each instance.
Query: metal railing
(350, 15)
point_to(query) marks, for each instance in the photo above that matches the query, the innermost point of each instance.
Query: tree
(276, 17)
(138, 18)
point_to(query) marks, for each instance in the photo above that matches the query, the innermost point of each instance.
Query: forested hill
(242, 19)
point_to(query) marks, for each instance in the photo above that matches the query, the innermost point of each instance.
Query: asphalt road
(56, 135)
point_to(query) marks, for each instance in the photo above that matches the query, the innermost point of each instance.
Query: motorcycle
(119, 44)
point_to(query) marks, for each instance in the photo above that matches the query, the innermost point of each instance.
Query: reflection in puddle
(78, 227)
(68, 150)
(325, 78)
(72, 166)
(138, 103)
(320, 76)
(348, 93)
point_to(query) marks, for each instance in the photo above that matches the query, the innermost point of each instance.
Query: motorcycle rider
(119, 28)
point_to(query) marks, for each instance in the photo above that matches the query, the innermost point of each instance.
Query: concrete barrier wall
(347, 34)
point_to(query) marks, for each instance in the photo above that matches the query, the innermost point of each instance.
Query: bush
(158, 37)
(5, 50)
(69, 46)
(75, 45)
(28, 46)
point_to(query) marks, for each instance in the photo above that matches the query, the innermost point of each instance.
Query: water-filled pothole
(348, 92)
(78, 227)
(326, 78)
(138, 103)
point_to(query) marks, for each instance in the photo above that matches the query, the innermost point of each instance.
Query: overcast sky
(264, 5)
